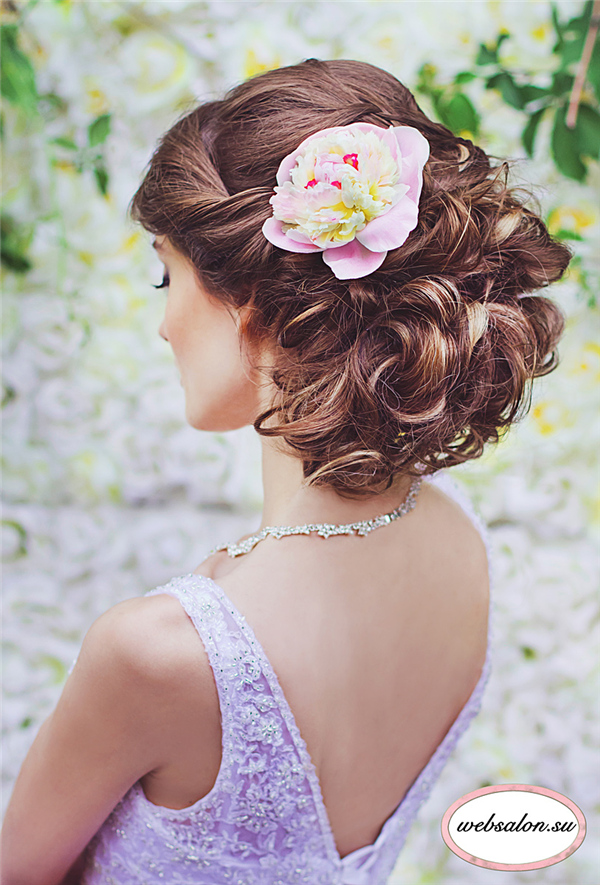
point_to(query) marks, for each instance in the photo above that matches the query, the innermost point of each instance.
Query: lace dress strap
(264, 772)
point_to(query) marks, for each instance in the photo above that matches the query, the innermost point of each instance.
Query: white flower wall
(108, 493)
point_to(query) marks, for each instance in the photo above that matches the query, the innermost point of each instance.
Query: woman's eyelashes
(165, 282)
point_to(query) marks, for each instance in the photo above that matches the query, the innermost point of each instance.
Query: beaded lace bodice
(264, 821)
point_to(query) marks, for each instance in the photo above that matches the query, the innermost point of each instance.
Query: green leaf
(533, 93)
(571, 49)
(126, 25)
(587, 129)
(438, 105)
(557, 27)
(580, 23)
(489, 54)
(573, 36)
(98, 130)
(17, 77)
(22, 540)
(51, 105)
(14, 261)
(64, 142)
(15, 240)
(562, 83)
(8, 394)
(101, 179)
(464, 77)
(565, 148)
(426, 78)
(530, 131)
(563, 234)
(57, 669)
(593, 71)
(507, 88)
(53, 100)
(459, 115)
(486, 55)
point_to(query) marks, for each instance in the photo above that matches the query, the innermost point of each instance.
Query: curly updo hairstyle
(410, 369)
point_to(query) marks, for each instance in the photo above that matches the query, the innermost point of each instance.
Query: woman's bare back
(377, 643)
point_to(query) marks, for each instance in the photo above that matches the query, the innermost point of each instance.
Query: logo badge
(513, 827)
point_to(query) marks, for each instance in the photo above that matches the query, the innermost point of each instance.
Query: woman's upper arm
(107, 730)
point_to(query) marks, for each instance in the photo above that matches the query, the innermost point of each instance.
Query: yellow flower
(254, 66)
(572, 218)
(96, 101)
(550, 416)
(86, 257)
(130, 242)
(590, 359)
(161, 65)
(541, 32)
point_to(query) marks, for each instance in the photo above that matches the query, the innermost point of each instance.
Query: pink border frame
(514, 867)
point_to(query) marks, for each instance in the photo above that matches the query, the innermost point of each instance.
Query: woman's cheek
(219, 394)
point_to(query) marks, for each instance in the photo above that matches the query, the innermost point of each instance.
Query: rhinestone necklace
(325, 529)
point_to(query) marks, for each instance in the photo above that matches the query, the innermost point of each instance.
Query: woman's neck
(288, 500)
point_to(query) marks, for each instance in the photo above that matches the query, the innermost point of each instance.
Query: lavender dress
(264, 821)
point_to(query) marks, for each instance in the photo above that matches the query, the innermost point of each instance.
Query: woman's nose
(162, 331)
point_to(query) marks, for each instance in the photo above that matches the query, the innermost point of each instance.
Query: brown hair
(410, 369)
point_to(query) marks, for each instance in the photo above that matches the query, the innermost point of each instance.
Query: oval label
(513, 827)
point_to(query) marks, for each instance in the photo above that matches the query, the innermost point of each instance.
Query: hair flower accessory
(350, 192)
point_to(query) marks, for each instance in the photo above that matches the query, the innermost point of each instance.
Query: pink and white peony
(350, 192)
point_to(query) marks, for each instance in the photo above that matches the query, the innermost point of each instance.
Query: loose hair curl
(408, 370)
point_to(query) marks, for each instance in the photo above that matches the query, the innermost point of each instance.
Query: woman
(354, 281)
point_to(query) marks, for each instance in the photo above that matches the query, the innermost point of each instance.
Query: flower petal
(285, 168)
(273, 231)
(392, 229)
(353, 260)
(288, 162)
(414, 148)
(388, 137)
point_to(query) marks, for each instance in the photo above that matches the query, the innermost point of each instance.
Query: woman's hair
(410, 369)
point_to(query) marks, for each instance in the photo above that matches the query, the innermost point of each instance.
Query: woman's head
(415, 366)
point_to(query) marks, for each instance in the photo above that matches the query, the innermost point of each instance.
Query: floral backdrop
(107, 492)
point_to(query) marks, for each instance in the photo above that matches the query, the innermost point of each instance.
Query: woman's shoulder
(148, 641)
(452, 518)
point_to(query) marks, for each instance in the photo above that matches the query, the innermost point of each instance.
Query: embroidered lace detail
(264, 821)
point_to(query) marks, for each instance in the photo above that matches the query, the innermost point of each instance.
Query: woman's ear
(256, 345)
(242, 320)
(249, 345)
(258, 354)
